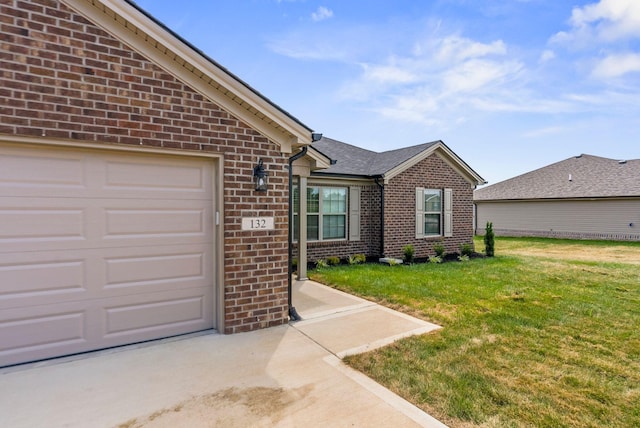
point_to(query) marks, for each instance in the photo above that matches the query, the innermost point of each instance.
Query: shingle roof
(352, 160)
(583, 176)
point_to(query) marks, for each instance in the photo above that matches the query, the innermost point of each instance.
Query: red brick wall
(400, 200)
(64, 78)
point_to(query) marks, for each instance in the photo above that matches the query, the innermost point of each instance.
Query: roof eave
(145, 34)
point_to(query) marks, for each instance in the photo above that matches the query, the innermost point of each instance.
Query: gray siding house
(583, 197)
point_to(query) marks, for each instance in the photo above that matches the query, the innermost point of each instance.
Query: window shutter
(354, 214)
(419, 212)
(448, 212)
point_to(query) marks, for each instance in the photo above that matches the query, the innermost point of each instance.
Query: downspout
(381, 186)
(293, 314)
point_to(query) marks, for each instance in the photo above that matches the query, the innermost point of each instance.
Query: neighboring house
(377, 203)
(583, 197)
(126, 185)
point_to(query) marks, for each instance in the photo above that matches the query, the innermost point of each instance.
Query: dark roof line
(355, 161)
(583, 176)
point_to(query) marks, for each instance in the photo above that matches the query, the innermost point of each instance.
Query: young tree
(489, 240)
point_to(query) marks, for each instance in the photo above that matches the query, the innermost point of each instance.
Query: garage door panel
(54, 277)
(157, 175)
(28, 223)
(125, 272)
(23, 173)
(146, 222)
(32, 280)
(42, 332)
(157, 315)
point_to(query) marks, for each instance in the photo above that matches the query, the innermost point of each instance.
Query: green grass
(527, 340)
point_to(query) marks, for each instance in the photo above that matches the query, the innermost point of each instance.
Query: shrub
(357, 259)
(466, 250)
(489, 240)
(408, 251)
(463, 258)
(435, 259)
(439, 249)
(333, 260)
(294, 262)
(321, 263)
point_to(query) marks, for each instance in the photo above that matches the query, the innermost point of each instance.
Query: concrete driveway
(287, 376)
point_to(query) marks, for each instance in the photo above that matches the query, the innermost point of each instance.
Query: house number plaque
(258, 223)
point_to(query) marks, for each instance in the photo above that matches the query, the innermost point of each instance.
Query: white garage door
(100, 249)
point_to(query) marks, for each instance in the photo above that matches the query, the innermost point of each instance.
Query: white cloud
(546, 56)
(388, 74)
(321, 14)
(455, 48)
(441, 78)
(604, 22)
(617, 65)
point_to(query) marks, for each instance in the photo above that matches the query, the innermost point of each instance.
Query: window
(433, 212)
(326, 213)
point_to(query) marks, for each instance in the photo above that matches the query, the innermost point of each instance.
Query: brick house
(377, 203)
(126, 184)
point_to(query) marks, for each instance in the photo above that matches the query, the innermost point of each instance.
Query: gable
(443, 152)
(157, 43)
(357, 162)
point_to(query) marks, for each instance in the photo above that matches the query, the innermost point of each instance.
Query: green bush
(333, 260)
(321, 263)
(357, 259)
(435, 259)
(439, 249)
(466, 250)
(489, 240)
(409, 251)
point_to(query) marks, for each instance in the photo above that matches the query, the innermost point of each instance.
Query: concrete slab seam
(386, 341)
(400, 404)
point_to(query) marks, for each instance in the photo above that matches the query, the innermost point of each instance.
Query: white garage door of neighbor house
(102, 248)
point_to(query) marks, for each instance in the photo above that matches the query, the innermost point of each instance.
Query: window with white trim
(326, 213)
(433, 212)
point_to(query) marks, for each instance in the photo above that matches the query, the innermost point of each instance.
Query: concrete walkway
(286, 376)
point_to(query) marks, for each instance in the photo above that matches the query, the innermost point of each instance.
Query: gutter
(381, 186)
(293, 314)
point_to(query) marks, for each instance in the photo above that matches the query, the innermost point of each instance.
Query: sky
(509, 85)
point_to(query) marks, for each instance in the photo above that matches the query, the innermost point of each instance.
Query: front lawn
(531, 337)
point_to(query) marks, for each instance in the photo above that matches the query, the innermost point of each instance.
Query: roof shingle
(583, 176)
(352, 160)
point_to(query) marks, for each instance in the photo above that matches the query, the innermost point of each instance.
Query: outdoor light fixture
(260, 177)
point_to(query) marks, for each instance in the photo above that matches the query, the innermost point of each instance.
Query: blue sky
(509, 85)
